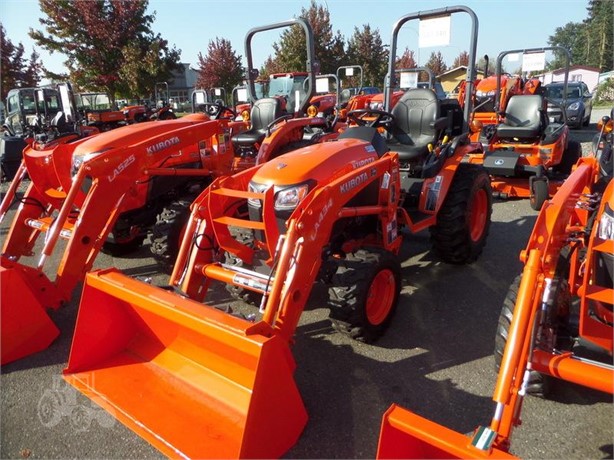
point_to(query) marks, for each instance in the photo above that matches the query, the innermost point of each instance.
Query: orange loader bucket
(407, 435)
(25, 326)
(190, 379)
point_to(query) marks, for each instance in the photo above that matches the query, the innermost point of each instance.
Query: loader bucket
(25, 326)
(407, 435)
(190, 379)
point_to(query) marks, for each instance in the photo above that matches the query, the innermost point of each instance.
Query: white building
(589, 75)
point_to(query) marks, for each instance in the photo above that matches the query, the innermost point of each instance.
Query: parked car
(578, 104)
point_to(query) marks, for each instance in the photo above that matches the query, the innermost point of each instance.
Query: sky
(190, 25)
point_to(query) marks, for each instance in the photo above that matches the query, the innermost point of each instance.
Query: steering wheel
(216, 110)
(382, 118)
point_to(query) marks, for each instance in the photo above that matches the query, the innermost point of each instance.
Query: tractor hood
(131, 135)
(321, 163)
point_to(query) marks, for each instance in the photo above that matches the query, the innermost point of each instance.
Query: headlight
(376, 105)
(289, 198)
(606, 225)
(574, 106)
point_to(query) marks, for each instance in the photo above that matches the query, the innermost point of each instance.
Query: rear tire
(539, 194)
(167, 233)
(463, 222)
(364, 293)
(570, 157)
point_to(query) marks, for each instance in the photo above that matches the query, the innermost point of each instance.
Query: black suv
(578, 106)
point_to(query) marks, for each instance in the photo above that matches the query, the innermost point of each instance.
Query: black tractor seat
(414, 129)
(263, 112)
(524, 118)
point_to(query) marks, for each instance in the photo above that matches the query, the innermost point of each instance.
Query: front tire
(167, 233)
(539, 194)
(364, 293)
(463, 222)
(539, 384)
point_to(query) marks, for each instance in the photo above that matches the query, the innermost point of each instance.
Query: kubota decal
(354, 182)
(162, 145)
(359, 163)
(121, 167)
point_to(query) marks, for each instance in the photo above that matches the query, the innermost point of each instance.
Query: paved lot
(436, 360)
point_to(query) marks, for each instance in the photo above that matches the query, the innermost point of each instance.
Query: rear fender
(284, 133)
(438, 186)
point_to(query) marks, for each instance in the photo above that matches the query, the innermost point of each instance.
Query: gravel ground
(436, 360)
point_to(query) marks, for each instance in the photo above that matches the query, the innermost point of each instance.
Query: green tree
(461, 59)
(221, 67)
(365, 48)
(16, 71)
(291, 51)
(599, 47)
(589, 42)
(436, 63)
(109, 45)
(570, 36)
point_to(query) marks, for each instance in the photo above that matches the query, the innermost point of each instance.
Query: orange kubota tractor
(527, 155)
(102, 192)
(99, 112)
(198, 381)
(40, 117)
(558, 308)
(161, 110)
(279, 122)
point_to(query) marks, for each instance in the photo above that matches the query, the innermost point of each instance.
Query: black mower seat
(523, 118)
(263, 112)
(413, 128)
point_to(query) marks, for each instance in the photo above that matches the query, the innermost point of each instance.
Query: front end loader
(558, 308)
(196, 377)
(99, 193)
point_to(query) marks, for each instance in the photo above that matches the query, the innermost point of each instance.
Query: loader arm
(562, 220)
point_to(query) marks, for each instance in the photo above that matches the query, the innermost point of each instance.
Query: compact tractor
(198, 379)
(279, 121)
(527, 155)
(97, 110)
(556, 311)
(161, 110)
(43, 116)
(109, 192)
(105, 193)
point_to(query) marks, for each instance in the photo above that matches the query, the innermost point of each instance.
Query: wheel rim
(479, 214)
(380, 297)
